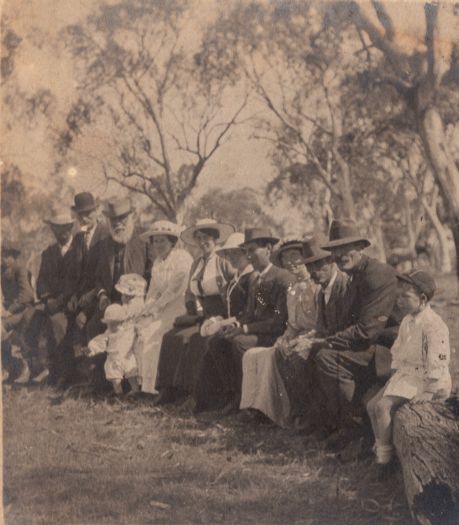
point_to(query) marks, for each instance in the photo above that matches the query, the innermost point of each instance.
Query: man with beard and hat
(265, 318)
(345, 359)
(17, 311)
(50, 321)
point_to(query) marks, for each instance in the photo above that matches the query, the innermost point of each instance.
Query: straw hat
(162, 228)
(223, 229)
(233, 242)
(60, 218)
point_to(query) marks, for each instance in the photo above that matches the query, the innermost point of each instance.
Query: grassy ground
(96, 461)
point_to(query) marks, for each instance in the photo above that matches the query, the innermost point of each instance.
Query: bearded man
(120, 253)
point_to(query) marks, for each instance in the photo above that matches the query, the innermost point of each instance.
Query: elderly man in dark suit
(17, 310)
(345, 358)
(265, 318)
(50, 320)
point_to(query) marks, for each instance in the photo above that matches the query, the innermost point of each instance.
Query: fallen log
(426, 437)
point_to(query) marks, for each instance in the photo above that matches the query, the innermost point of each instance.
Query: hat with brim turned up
(162, 228)
(232, 244)
(60, 218)
(258, 234)
(223, 230)
(312, 250)
(343, 233)
(284, 245)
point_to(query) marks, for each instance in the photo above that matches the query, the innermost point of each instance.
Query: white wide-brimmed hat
(223, 229)
(162, 228)
(132, 284)
(61, 217)
(233, 242)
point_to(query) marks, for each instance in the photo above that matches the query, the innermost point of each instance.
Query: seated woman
(204, 298)
(201, 378)
(164, 299)
(263, 386)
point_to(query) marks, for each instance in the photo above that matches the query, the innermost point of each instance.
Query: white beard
(123, 234)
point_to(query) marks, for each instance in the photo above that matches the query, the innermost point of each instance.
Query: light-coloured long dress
(163, 303)
(263, 388)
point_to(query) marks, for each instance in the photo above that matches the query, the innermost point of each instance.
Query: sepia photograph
(229, 262)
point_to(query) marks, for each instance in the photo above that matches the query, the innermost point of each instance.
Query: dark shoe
(341, 439)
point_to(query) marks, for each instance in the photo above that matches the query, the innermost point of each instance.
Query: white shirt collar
(65, 248)
(420, 316)
(266, 270)
(328, 289)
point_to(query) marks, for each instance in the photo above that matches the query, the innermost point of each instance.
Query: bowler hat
(84, 202)
(223, 229)
(118, 208)
(259, 234)
(283, 245)
(11, 247)
(162, 228)
(114, 313)
(312, 249)
(60, 218)
(343, 232)
(422, 281)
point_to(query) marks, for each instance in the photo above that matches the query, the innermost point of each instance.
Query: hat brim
(153, 233)
(125, 291)
(290, 245)
(344, 242)
(274, 240)
(224, 231)
(316, 258)
(92, 207)
(118, 215)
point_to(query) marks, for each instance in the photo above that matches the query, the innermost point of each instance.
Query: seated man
(345, 359)
(50, 321)
(265, 318)
(17, 311)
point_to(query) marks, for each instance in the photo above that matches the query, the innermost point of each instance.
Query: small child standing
(420, 363)
(118, 341)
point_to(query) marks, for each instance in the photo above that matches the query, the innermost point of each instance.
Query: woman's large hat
(60, 218)
(258, 234)
(291, 243)
(233, 242)
(84, 202)
(344, 232)
(223, 229)
(312, 250)
(162, 228)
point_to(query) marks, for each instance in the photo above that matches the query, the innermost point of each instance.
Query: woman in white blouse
(164, 299)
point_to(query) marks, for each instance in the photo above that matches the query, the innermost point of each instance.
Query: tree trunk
(445, 259)
(426, 437)
(444, 168)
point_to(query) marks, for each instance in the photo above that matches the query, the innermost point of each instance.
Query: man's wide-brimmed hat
(290, 243)
(422, 281)
(233, 243)
(84, 202)
(312, 250)
(60, 218)
(132, 284)
(223, 229)
(11, 247)
(115, 313)
(118, 208)
(342, 233)
(162, 228)
(258, 234)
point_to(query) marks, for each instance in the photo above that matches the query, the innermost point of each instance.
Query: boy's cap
(422, 281)
(115, 313)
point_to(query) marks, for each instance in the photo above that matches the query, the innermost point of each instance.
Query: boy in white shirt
(420, 363)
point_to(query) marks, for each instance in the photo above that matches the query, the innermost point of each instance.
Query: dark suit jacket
(371, 297)
(266, 312)
(239, 294)
(16, 289)
(135, 260)
(54, 270)
(83, 262)
(334, 315)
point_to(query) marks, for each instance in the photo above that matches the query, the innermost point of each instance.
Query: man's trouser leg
(340, 373)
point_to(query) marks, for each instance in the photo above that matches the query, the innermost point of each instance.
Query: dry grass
(89, 461)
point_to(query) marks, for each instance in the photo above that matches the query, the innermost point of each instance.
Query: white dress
(420, 357)
(163, 303)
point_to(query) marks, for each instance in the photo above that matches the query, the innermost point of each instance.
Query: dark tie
(118, 264)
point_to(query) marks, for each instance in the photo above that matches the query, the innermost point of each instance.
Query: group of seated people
(303, 332)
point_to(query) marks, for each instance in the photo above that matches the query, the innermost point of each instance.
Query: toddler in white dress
(420, 362)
